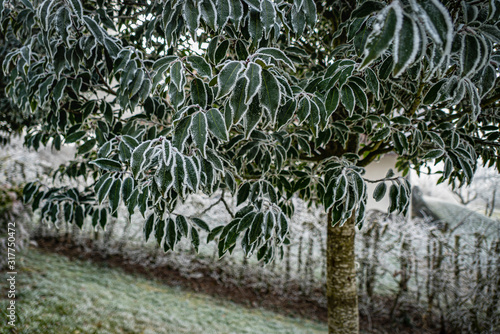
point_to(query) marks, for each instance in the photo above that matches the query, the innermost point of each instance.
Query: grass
(56, 295)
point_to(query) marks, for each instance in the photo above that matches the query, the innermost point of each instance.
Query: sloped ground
(57, 295)
(460, 218)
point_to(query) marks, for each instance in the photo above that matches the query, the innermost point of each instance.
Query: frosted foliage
(450, 268)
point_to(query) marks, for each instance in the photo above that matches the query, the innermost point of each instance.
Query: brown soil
(292, 304)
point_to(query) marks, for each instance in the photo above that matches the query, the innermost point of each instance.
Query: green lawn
(56, 295)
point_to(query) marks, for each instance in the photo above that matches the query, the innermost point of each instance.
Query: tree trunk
(341, 287)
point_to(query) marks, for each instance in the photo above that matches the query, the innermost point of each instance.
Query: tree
(268, 99)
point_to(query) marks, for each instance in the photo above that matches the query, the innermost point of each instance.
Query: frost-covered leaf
(470, 55)
(270, 94)
(388, 24)
(286, 113)
(406, 45)
(267, 16)
(437, 22)
(200, 66)
(237, 101)
(379, 191)
(347, 98)
(199, 129)
(216, 124)
(198, 93)
(367, 8)
(138, 156)
(254, 75)
(107, 164)
(181, 133)
(191, 15)
(228, 76)
(193, 174)
(208, 13)
(252, 117)
(277, 55)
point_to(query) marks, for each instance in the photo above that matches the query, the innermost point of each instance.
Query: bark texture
(341, 287)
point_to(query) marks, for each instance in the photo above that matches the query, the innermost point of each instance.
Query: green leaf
(283, 231)
(304, 109)
(243, 193)
(347, 98)
(77, 8)
(367, 8)
(204, 226)
(75, 136)
(267, 16)
(191, 15)
(114, 195)
(195, 239)
(58, 91)
(286, 113)
(270, 94)
(193, 175)
(437, 22)
(277, 55)
(252, 117)
(254, 75)
(298, 20)
(388, 23)
(94, 28)
(177, 75)
(394, 198)
(221, 51)
(179, 174)
(256, 229)
(361, 99)
(182, 225)
(215, 160)
(470, 55)
(227, 77)
(230, 182)
(63, 23)
(236, 12)
(198, 93)
(159, 231)
(208, 13)
(199, 131)
(216, 124)
(130, 141)
(127, 188)
(433, 154)
(432, 94)
(79, 216)
(87, 146)
(163, 177)
(332, 101)
(181, 133)
(138, 157)
(107, 164)
(372, 82)
(201, 67)
(136, 83)
(407, 46)
(255, 28)
(380, 191)
(237, 101)
(171, 236)
(309, 8)
(340, 187)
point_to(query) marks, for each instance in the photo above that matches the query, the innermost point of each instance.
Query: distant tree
(484, 190)
(268, 99)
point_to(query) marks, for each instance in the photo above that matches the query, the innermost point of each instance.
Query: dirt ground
(374, 318)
